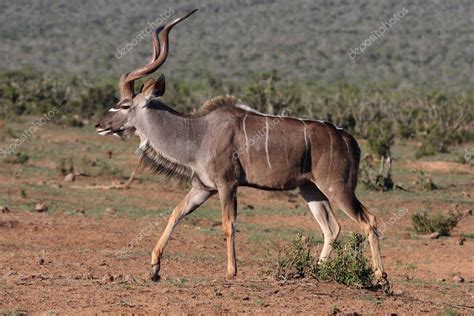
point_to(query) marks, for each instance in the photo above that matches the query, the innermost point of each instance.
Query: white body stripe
(267, 131)
(246, 137)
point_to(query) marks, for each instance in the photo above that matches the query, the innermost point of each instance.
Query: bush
(441, 223)
(296, 260)
(19, 157)
(425, 182)
(375, 180)
(347, 265)
(381, 137)
(267, 93)
(32, 93)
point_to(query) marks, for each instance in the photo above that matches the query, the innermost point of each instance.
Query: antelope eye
(124, 105)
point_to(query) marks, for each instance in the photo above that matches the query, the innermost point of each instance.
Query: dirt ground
(69, 264)
(81, 258)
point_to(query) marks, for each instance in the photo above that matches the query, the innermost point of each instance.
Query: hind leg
(349, 203)
(322, 212)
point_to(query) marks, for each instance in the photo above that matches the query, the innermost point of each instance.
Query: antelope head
(120, 120)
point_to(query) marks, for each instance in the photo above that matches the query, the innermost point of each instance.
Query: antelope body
(226, 144)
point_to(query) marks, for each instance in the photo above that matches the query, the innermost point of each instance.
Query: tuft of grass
(348, 265)
(441, 223)
(449, 311)
(20, 157)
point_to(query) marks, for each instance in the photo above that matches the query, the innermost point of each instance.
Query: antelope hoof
(382, 282)
(231, 275)
(155, 272)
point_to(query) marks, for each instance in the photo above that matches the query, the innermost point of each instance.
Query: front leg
(228, 198)
(195, 198)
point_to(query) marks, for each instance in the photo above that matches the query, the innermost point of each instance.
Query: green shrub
(381, 137)
(296, 261)
(426, 149)
(19, 157)
(375, 180)
(347, 265)
(267, 93)
(441, 223)
(425, 182)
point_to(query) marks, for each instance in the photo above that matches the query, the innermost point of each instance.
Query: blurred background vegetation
(415, 83)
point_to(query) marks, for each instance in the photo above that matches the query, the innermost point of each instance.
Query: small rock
(79, 211)
(468, 212)
(458, 279)
(107, 278)
(41, 182)
(250, 207)
(461, 241)
(397, 292)
(441, 280)
(110, 211)
(434, 235)
(245, 298)
(41, 207)
(70, 177)
(4, 209)
(40, 261)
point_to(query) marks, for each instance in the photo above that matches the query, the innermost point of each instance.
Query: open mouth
(104, 131)
(122, 133)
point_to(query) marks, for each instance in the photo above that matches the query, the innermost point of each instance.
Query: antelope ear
(154, 89)
(147, 85)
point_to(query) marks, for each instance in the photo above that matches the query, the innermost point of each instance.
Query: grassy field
(78, 240)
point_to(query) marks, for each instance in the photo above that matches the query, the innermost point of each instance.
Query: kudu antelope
(216, 149)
